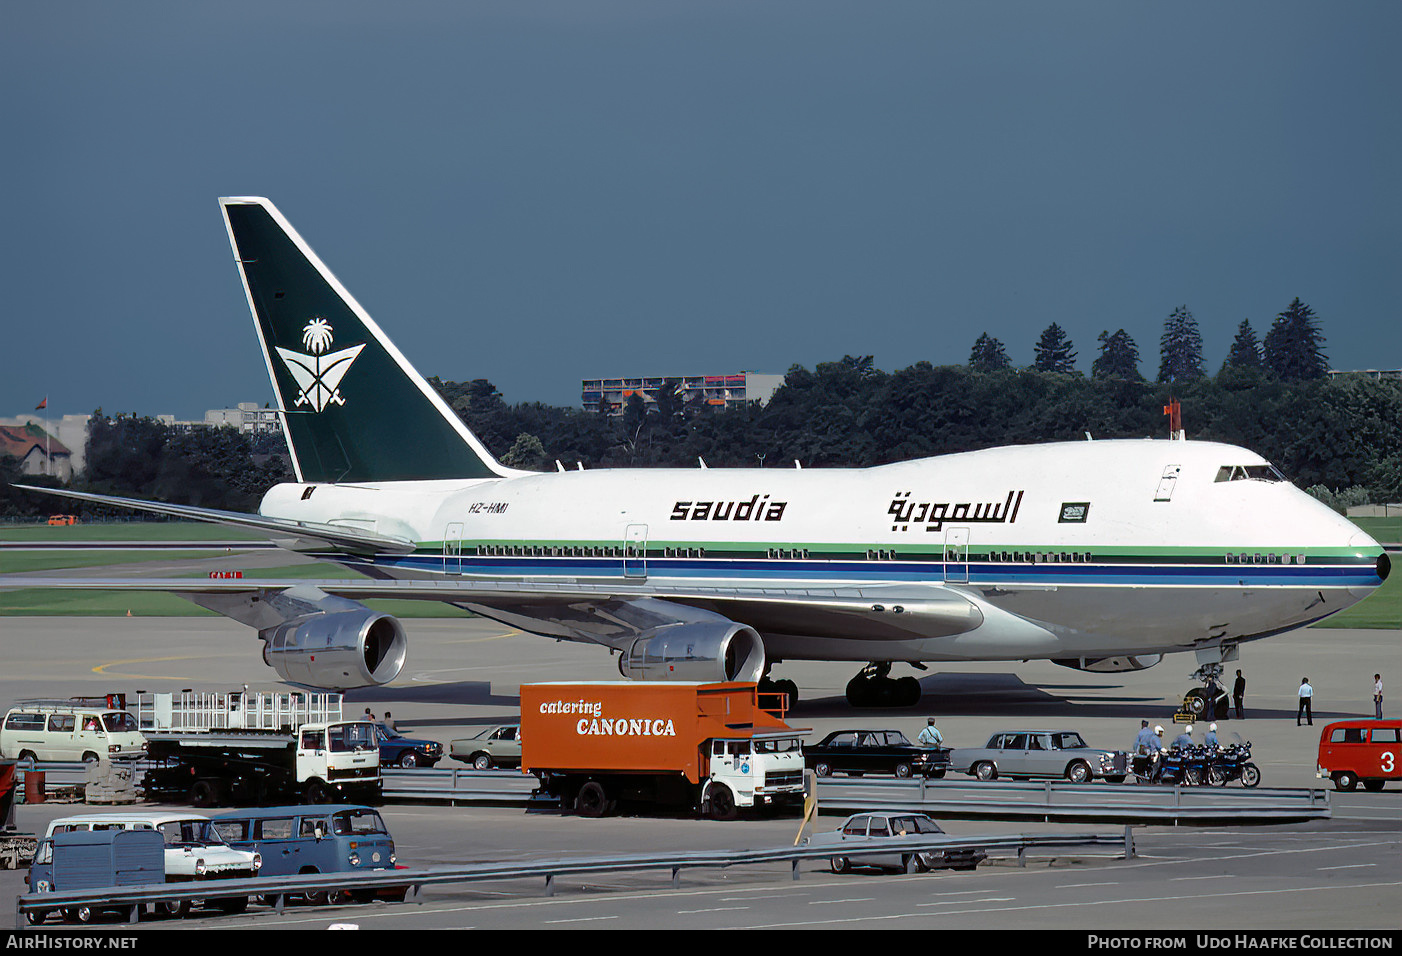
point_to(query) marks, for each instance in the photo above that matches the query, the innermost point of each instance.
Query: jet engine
(700, 651)
(1110, 665)
(342, 645)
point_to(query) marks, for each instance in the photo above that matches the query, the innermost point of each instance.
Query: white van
(78, 729)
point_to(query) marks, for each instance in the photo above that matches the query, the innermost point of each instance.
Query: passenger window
(857, 827)
(62, 723)
(231, 830)
(279, 829)
(310, 826)
(1016, 742)
(1347, 735)
(1385, 735)
(879, 829)
(311, 740)
(90, 722)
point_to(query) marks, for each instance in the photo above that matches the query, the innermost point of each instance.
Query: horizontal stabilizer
(293, 535)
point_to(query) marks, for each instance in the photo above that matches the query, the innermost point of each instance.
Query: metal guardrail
(1049, 801)
(1059, 801)
(412, 880)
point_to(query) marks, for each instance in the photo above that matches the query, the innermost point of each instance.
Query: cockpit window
(1248, 473)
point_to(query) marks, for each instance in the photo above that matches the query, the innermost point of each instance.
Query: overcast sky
(539, 192)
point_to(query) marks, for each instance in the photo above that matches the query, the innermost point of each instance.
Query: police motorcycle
(1233, 762)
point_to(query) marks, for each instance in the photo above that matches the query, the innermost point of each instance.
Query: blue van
(323, 838)
(94, 859)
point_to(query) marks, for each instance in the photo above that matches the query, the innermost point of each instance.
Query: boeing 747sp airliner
(1100, 555)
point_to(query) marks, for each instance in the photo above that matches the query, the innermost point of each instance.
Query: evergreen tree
(1294, 347)
(988, 355)
(1246, 350)
(1054, 351)
(1180, 348)
(1119, 358)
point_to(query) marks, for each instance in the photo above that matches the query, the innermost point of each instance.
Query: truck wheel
(204, 793)
(175, 909)
(1343, 780)
(722, 803)
(318, 792)
(592, 800)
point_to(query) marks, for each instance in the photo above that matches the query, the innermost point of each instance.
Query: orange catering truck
(672, 743)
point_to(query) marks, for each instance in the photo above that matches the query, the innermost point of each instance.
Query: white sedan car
(894, 828)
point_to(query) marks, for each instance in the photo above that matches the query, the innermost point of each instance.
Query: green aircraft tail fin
(353, 408)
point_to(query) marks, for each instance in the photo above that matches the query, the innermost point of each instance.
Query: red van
(1354, 750)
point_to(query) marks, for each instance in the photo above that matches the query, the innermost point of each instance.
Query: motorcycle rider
(1210, 741)
(1156, 752)
(1185, 739)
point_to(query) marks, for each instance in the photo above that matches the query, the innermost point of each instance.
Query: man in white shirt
(1306, 699)
(1378, 696)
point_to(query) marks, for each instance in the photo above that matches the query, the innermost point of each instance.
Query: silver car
(1036, 753)
(894, 827)
(493, 747)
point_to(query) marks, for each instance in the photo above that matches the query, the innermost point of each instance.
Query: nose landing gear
(874, 687)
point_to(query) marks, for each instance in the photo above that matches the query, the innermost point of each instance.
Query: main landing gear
(787, 688)
(1210, 701)
(874, 687)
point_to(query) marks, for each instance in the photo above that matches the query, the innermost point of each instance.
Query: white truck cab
(758, 770)
(333, 755)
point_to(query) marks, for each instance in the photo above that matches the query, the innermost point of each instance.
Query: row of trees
(1293, 350)
(141, 457)
(1338, 434)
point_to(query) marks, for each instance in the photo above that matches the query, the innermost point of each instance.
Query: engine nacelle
(341, 646)
(1110, 665)
(702, 651)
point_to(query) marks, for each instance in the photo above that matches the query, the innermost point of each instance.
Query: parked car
(893, 826)
(314, 839)
(858, 752)
(397, 750)
(1037, 753)
(194, 850)
(494, 747)
(1366, 750)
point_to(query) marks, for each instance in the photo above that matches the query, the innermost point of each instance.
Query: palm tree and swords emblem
(319, 374)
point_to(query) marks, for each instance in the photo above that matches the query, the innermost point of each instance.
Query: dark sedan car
(857, 752)
(397, 750)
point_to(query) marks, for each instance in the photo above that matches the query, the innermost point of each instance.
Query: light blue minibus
(323, 838)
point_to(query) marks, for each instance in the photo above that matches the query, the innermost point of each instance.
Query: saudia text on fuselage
(936, 514)
(757, 508)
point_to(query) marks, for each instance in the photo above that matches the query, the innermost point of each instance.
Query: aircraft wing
(603, 612)
(292, 535)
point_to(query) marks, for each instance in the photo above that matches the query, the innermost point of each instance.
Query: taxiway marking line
(1062, 906)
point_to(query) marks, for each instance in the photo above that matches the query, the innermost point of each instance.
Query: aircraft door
(635, 551)
(452, 548)
(956, 555)
(1167, 483)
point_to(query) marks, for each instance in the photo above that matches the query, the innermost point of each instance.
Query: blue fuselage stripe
(817, 572)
